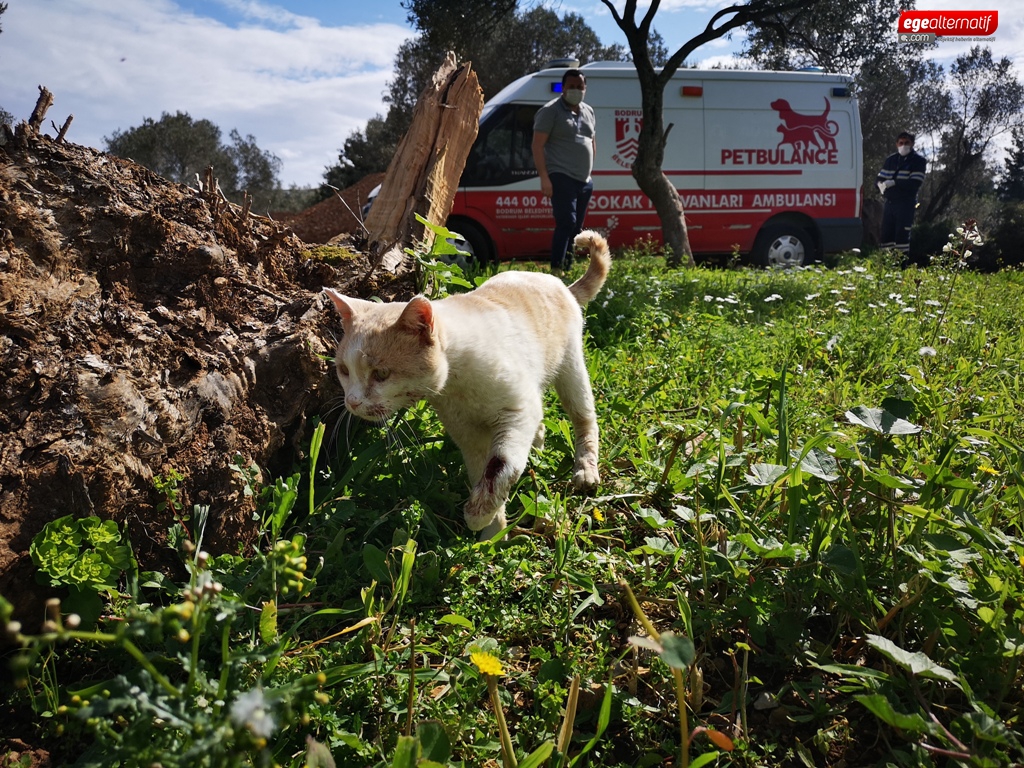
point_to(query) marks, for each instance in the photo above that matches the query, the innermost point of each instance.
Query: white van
(768, 163)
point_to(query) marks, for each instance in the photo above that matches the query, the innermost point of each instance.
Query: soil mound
(147, 326)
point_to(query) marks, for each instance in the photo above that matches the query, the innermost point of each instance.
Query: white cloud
(299, 87)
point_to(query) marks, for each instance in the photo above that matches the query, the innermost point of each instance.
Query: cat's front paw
(585, 477)
(480, 514)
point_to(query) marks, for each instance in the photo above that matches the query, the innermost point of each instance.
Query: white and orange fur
(483, 360)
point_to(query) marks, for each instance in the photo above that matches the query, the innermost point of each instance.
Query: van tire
(783, 246)
(477, 241)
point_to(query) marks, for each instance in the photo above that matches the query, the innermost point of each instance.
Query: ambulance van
(766, 163)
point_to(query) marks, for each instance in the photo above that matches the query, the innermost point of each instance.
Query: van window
(502, 151)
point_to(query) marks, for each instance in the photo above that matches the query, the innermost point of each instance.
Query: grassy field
(808, 550)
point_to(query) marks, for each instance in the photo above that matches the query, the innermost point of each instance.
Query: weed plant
(809, 538)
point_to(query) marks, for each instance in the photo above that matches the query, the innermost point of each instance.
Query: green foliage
(180, 149)
(501, 42)
(986, 100)
(443, 269)
(813, 484)
(84, 554)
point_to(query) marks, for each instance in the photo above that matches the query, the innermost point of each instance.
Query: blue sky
(298, 75)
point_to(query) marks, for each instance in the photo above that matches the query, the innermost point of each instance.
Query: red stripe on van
(791, 172)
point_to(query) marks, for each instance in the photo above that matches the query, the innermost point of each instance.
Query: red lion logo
(806, 131)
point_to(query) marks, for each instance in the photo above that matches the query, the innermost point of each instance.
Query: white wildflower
(860, 269)
(251, 710)
(773, 297)
(908, 310)
(811, 296)
(926, 352)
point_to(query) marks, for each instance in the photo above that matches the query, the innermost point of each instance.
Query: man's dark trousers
(569, 201)
(897, 219)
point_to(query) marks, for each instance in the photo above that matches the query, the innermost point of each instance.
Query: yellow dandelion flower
(487, 663)
(988, 470)
(598, 516)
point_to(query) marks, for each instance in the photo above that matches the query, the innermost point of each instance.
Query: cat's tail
(588, 286)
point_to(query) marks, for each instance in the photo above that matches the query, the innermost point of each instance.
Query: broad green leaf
(705, 759)
(769, 548)
(376, 563)
(434, 740)
(841, 559)
(655, 545)
(880, 707)
(678, 652)
(918, 664)
(268, 622)
(654, 518)
(552, 669)
(880, 421)
(456, 620)
(765, 474)
(902, 409)
(988, 728)
(820, 464)
(406, 752)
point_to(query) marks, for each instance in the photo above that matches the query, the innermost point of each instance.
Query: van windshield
(502, 153)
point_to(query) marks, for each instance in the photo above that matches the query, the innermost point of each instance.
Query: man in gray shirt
(564, 144)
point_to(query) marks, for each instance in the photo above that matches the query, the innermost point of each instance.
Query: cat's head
(389, 357)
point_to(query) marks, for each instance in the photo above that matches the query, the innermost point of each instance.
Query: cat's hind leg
(573, 387)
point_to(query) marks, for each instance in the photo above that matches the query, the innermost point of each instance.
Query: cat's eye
(380, 374)
(343, 369)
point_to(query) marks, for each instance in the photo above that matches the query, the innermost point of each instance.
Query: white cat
(483, 360)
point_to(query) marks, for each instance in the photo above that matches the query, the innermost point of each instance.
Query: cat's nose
(353, 401)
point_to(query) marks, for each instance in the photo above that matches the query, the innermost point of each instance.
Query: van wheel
(783, 246)
(474, 242)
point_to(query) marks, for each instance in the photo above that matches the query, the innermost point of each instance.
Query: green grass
(815, 476)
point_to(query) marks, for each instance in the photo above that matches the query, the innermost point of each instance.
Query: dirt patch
(146, 326)
(339, 214)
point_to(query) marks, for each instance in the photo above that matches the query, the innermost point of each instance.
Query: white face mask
(573, 96)
(904, 149)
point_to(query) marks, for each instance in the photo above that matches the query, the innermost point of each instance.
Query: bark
(650, 178)
(424, 173)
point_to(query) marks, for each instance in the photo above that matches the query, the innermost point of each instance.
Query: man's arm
(885, 179)
(539, 140)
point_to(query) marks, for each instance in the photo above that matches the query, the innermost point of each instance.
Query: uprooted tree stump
(424, 174)
(146, 327)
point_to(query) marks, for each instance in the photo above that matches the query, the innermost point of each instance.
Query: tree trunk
(652, 180)
(424, 173)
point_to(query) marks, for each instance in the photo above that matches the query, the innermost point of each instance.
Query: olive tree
(647, 168)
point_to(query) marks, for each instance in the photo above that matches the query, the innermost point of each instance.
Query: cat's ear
(344, 305)
(418, 319)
